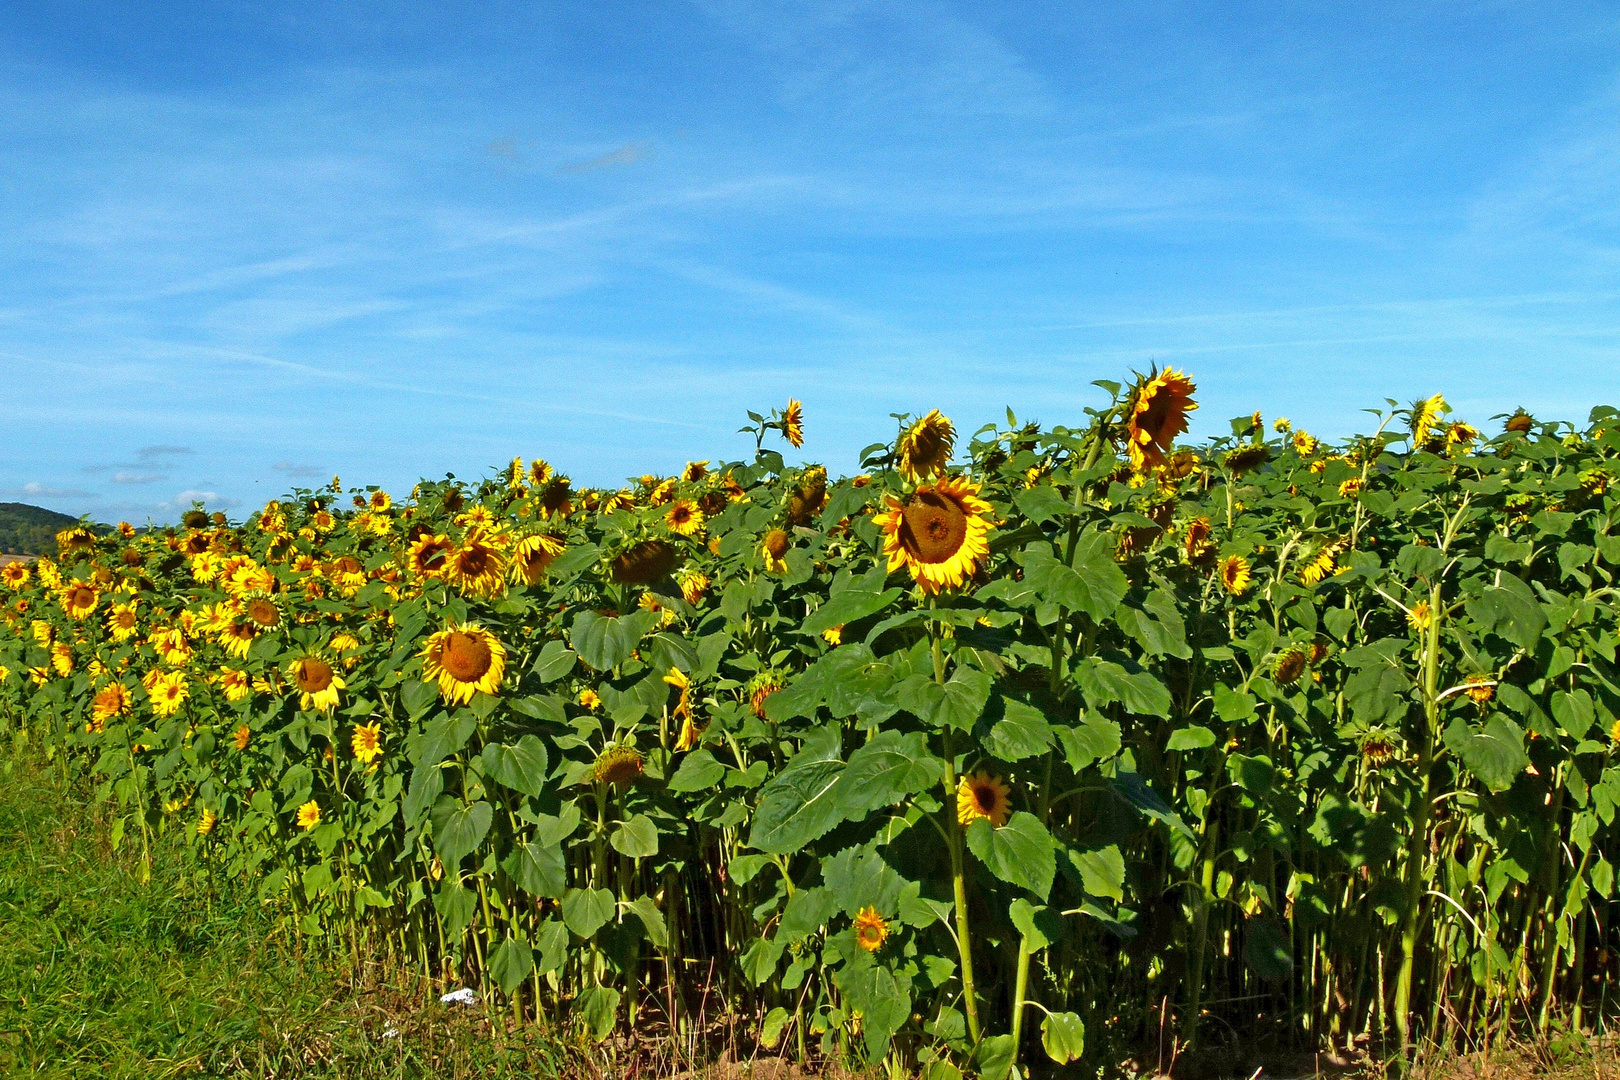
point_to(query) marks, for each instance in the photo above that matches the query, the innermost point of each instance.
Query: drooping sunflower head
(366, 742)
(793, 423)
(430, 555)
(79, 600)
(1481, 688)
(1155, 413)
(242, 737)
(1321, 563)
(981, 795)
(465, 659)
(1420, 617)
(684, 517)
(924, 448)
(110, 701)
(557, 498)
(532, 556)
(1350, 488)
(694, 586)
(1246, 458)
(808, 497)
(760, 688)
(477, 566)
(316, 681)
(645, 563)
(1290, 665)
(1377, 748)
(1236, 575)
(75, 540)
(1423, 416)
(1460, 436)
(1196, 544)
(774, 548)
(1519, 423)
(871, 929)
(617, 765)
(940, 533)
(206, 823)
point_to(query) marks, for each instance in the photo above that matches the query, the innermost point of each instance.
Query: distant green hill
(30, 530)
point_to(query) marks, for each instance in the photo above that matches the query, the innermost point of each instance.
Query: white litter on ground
(464, 996)
(391, 1033)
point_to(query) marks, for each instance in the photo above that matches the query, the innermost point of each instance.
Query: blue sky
(246, 246)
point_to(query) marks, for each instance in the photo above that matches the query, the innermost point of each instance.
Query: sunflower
(694, 586)
(238, 637)
(262, 611)
(684, 517)
(695, 471)
(809, 497)
(644, 563)
(250, 578)
(79, 600)
(617, 765)
(557, 499)
(649, 602)
(1350, 488)
(1420, 617)
(1196, 543)
(366, 742)
(465, 660)
(1377, 748)
(532, 556)
(1424, 415)
(206, 823)
(242, 736)
(477, 565)
(540, 472)
(981, 795)
(589, 700)
(236, 684)
(121, 620)
(760, 688)
(924, 448)
(309, 815)
(430, 555)
(1289, 667)
(44, 633)
(1156, 413)
(62, 658)
(317, 684)
(1235, 575)
(793, 423)
(1322, 564)
(941, 533)
(1519, 423)
(1246, 458)
(772, 549)
(683, 709)
(110, 701)
(15, 575)
(75, 539)
(167, 693)
(871, 930)
(833, 635)
(1460, 436)
(1481, 688)
(1304, 443)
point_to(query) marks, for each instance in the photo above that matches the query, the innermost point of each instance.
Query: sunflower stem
(964, 933)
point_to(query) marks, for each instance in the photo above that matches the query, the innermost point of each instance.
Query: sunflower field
(999, 759)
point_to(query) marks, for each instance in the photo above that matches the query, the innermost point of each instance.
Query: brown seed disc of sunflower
(465, 656)
(645, 563)
(935, 526)
(312, 675)
(264, 613)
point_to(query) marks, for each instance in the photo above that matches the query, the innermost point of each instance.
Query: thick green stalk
(1418, 843)
(1020, 993)
(1200, 935)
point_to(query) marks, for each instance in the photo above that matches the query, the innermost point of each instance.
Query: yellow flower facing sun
(122, 620)
(110, 701)
(983, 796)
(79, 600)
(1236, 575)
(871, 929)
(168, 693)
(15, 575)
(793, 423)
(366, 742)
(477, 566)
(941, 533)
(464, 660)
(316, 682)
(684, 517)
(309, 815)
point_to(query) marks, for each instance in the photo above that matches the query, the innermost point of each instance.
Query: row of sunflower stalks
(1022, 758)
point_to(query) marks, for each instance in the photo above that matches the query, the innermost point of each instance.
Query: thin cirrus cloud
(397, 261)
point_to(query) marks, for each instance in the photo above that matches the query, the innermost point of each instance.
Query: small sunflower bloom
(982, 795)
(871, 929)
(309, 815)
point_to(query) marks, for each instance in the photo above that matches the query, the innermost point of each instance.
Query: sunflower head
(477, 565)
(557, 498)
(1236, 575)
(309, 815)
(1196, 544)
(465, 659)
(1155, 413)
(645, 563)
(871, 930)
(430, 555)
(695, 471)
(1420, 617)
(262, 611)
(694, 586)
(684, 517)
(316, 681)
(774, 548)
(1423, 417)
(617, 765)
(589, 700)
(206, 823)
(1290, 666)
(15, 575)
(1246, 458)
(79, 600)
(1481, 688)
(940, 533)
(1377, 748)
(981, 795)
(793, 423)
(924, 448)
(532, 557)
(809, 497)
(110, 701)
(241, 737)
(1519, 423)
(366, 742)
